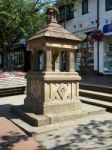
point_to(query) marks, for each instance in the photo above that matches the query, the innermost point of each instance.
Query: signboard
(107, 28)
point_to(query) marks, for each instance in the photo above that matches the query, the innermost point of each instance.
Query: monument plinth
(52, 83)
(51, 91)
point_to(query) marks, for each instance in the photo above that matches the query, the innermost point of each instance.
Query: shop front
(107, 29)
(84, 55)
(108, 55)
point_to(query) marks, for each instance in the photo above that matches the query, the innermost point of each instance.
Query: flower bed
(20, 74)
(4, 74)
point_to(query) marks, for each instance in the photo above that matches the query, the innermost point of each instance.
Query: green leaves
(20, 19)
(64, 2)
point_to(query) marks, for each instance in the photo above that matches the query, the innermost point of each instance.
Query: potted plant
(97, 35)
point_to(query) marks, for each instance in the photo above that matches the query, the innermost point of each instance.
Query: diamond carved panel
(62, 91)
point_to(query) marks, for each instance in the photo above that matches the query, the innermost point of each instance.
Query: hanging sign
(107, 28)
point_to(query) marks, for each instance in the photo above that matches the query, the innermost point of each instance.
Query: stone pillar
(71, 61)
(57, 62)
(48, 60)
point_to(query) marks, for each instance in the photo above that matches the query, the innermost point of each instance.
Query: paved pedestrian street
(12, 82)
(89, 133)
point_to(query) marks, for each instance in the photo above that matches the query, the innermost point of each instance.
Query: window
(69, 13)
(84, 7)
(108, 56)
(108, 5)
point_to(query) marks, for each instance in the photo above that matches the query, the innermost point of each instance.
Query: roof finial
(52, 12)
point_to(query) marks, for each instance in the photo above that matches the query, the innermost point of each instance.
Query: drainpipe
(98, 41)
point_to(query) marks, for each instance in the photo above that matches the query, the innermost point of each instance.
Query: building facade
(89, 16)
(105, 46)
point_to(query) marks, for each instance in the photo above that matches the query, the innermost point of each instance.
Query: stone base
(52, 92)
(44, 126)
(52, 108)
(41, 120)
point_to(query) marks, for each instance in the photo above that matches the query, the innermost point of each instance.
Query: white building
(90, 15)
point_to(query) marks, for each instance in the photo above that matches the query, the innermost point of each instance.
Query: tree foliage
(64, 2)
(19, 19)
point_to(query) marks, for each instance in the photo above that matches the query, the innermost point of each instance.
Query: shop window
(85, 54)
(108, 5)
(108, 58)
(84, 7)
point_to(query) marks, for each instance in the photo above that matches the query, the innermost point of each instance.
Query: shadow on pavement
(88, 136)
(92, 136)
(5, 111)
(10, 139)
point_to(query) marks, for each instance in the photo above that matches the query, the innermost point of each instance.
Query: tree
(19, 19)
(64, 2)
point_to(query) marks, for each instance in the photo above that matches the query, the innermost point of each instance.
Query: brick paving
(12, 138)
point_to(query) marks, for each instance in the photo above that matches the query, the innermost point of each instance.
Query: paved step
(12, 82)
(12, 86)
(12, 91)
(33, 131)
(98, 88)
(96, 102)
(96, 95)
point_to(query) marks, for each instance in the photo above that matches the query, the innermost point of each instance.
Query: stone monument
(52, 94)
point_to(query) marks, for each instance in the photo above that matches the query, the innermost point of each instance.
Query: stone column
(57, 62)
(48, 61)
(71, 61)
